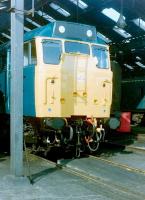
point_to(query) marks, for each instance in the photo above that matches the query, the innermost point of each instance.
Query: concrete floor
(51, 183)
(101, 180)
(106, 182)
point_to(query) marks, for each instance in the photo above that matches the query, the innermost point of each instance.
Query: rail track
(139, 147)
(119, 165)
(97, 180)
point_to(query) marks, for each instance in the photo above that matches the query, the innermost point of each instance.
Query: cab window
(101, 54)
(76, 47)
(52, 50)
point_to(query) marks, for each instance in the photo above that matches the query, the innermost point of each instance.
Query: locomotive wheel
(93, 143)
(67, 134)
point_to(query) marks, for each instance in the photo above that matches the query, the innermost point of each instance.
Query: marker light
(89, 33)
(61, 29)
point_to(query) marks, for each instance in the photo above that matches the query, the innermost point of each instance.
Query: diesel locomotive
(67, 86)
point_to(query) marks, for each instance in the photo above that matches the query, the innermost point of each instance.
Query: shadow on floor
(109, 149)
(38, 176)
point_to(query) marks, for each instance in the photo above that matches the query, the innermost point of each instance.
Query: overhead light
(103, 37)
(45, 16)
(27, 29)
(127, 41)
(80, 3)
(6, 36)
(140, 23)
(59, 9)
(128, 66)
(140, 64)
(121, 32)
(112, 14)
(32, 22)
(2, 6)
(138, 58)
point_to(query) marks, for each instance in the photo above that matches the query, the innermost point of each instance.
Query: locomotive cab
(69, 81)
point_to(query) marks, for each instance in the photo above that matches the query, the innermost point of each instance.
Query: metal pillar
(16, 105)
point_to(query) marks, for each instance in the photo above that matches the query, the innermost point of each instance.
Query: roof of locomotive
(63, 29)
(67, 30)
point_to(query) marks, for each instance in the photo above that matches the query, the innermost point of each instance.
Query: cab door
(47, 82)
(103, 85)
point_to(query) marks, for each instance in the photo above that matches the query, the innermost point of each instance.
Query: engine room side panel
(29, 91)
